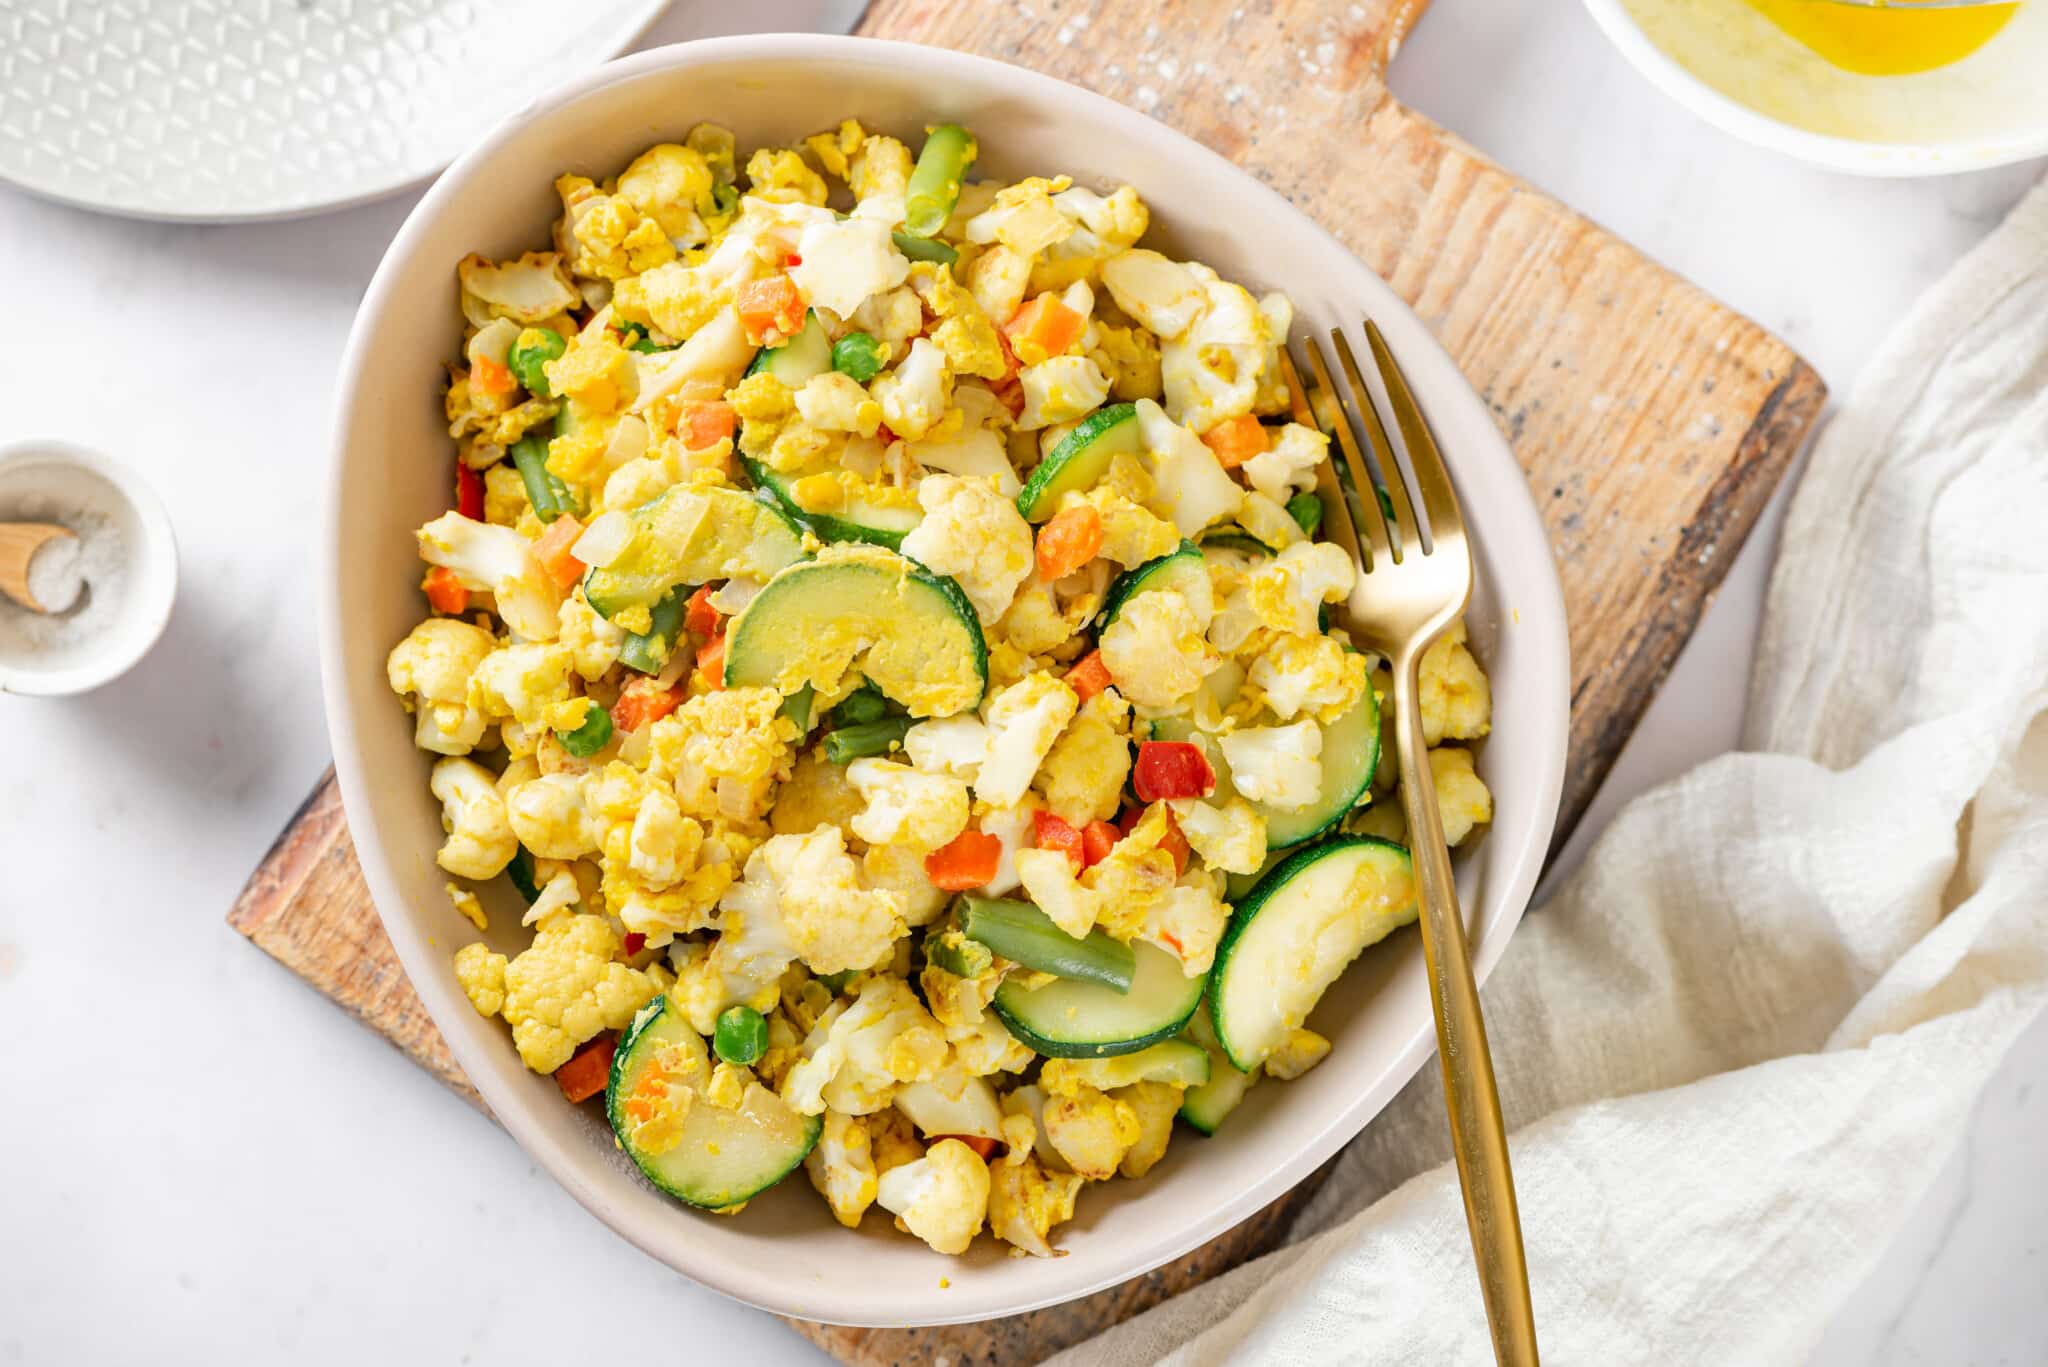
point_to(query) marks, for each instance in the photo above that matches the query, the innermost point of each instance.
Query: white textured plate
(218, 110)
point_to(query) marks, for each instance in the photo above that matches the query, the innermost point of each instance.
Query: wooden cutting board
(1653, 424)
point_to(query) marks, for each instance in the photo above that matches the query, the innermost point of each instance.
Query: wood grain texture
(1652, 423)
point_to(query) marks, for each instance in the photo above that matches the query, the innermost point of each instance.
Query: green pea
(1307, 511)
(534, 349)
(857, 356)
(589, 738)
(741, 1035)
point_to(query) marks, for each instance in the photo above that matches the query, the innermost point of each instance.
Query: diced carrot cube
(587, 1071)
(1044, 328)
(643, 701)
(445, 591)
(1089, 676)
(1070, 540)
(771, 310)
(704, 425)
(1237, 440)
(552, 551)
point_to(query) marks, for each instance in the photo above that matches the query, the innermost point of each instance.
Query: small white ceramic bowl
(1730, 65)
(391, 471)
(39, 481)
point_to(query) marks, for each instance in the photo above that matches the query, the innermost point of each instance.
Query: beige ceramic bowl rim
(1540, 608)
(1890, 159)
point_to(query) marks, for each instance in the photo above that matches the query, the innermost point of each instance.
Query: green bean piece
(958, 955)
(857, 356)
(924, 248)
(741, 1035)
(520, 871)
(1021, 932)
(865, 704)
(648, 651)
(589, 738)
(526, 359)
(1307, 511)
(530, 458)
(935, 185)
(799, 706)
(850, 743)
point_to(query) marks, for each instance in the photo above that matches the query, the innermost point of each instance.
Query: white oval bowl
(391, 472)
(1731, 66)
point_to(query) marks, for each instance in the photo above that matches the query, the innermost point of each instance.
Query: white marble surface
(205, 1162)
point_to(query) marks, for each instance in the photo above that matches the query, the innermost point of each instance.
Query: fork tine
(1366, 518)
(1425, 462)
(1407, 527)
(1337, 523)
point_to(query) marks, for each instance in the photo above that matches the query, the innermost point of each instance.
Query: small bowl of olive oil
(1887, 89)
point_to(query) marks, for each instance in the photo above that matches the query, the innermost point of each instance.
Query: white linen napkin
(1742, 1039)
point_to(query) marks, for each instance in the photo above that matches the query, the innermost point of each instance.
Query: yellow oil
(1887, 40)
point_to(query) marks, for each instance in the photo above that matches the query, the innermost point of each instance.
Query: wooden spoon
(19, 542)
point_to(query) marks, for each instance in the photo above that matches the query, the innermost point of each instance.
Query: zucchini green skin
(828, 526)
(1029, 1013)
(652, 1018)
(1080, 460)
(1168, 570)
(1235, 539)
(1266, 898)
(668, 546)
(1206, 1105)
(803, 594)
(800, 359)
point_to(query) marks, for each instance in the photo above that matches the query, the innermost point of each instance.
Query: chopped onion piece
(603, 539)
(733, 595)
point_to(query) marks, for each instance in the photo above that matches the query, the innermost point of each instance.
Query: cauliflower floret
(1285, 594)
(532, 289)
(480, 841)
(566, 988)
(1231, 837)
(942, 1198)
(1131, 536)
(521, 682)
(1226, 361)
(1155, 1104)
(954, 746)
(1461, 795)
(878, 175)
(1312, 674)
(899, 869)
(433, 664)
(1280, 766)
(1061, 390)
(1023, 720)
(1188, 921)
(671, 184)
(846, 262)
(1092, 1131)
(481, 973)
(1130, 357)
(891, 318)
(1288, 466)
(906, 806)
(551, 817)
(812, 887)
(596, 371)
(833, 402)
(592, 642)
(680, 299)
(1083, 776)
(998, 278)
(605, 236)
(971, 532)
(842, 1167)
(778, 174)
(1299, 1052)
(914, 395)
(1164, 295)
(977, 454)
(724, 751)
(860, 1052)
(1049, 880)
(1156, 650)
(1457, 701)
(497, 560)
(1025, 1202)
(1023, 218)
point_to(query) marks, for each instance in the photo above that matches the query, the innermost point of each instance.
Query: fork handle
(1478, 1137)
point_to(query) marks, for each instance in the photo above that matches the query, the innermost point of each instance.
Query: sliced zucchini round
(1205, 1105)
(716, 1158)
(1232, 538)
(1178, 569)
(1080, 460)
(1070, 1018)
(692, 534)
(1350, 755)
(912, 633)
(859, 520)
(1180, 1062)
(800, 359)
(1297, 931)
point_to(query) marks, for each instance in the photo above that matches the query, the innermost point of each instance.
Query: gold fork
(1407, 593)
